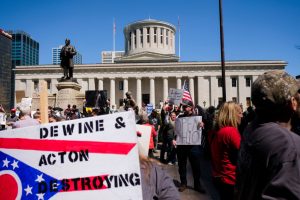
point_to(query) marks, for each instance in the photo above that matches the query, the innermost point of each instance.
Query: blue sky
(253, 29)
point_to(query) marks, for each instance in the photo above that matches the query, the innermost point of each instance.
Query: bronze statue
(66, 57)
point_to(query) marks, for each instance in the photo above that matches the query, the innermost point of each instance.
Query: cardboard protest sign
(175, 96)
(89, 158)
(150, 107)
(144, 134)
(188, 130)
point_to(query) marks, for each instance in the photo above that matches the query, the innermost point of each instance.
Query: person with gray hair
(269, 159)
(25, 119)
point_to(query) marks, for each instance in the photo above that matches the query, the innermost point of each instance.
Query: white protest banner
(2, 118)
(144, 134)
(88, 158)
(188, 130)
(175, 96)
(26, 102)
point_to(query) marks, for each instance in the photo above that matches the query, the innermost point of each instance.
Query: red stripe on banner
(66, 145)
(84, 183)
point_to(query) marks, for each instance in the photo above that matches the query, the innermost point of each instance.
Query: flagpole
(222, 52)
(114, 41)
(178, 38)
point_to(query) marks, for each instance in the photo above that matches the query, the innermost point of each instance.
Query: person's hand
(200, 125)
(174, 143)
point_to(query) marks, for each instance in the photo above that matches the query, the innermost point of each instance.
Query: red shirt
(153, 134)
(224, 146)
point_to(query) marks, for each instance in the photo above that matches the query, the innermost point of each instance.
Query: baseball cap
(13, 110)
(187, 103)
(275, 87)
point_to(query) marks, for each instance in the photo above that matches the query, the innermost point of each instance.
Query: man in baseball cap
(269, 161)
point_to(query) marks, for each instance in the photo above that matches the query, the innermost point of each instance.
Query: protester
(168, 141)
(154, 120)
(269, 160)
(156, 183)
(12, 118)
(189, 151)
(2, 118)
(143, 119)
(25, 119)
(224, 143)
(129, 101)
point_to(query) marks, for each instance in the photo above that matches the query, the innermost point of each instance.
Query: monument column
(165, 85)
(139, 92)
(100, 83)
(125, 87)
(112, 92)
(191, 87)
(152, 91)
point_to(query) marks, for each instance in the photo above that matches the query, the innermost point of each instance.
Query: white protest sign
(175, 96)
(144, 134)
(188, 130)
(26, 102)
(89, 158)
(2, 118)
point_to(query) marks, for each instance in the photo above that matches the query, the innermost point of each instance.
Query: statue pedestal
(68, 93)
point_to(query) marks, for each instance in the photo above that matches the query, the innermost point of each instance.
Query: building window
(220, 82)
(134, 35)
(167, 37)
(248, 101)
(36, 85)
(233, 82)
(248, 82)
(234, 99)
(148, 35)
(155, 35)
(161, 36)
(121, 85)
(141, 36)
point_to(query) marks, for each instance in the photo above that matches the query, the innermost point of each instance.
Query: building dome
(149, 39)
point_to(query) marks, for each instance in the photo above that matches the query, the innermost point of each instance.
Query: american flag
(186, 93)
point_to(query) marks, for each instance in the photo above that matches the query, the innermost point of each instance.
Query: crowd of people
(254, 154)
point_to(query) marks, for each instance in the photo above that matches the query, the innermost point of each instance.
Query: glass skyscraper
(5, 70)
(77, 59)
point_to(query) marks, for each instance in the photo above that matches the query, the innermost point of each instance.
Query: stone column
(132, 40)
(138, 38)
(112, 92)
(145, 44)
(53, 85)
(151, 37)
(164, 36)
(152, 91)
(228, 88)
(125, 87)
(178, 80)
(201, 90)
(91, 85)
(100, 83)
(165, 85)
(29, 88)
(139, 92)
(191, 87)
(241, 88)
(213, 86)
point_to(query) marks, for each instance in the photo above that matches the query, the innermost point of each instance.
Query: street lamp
(222, 52)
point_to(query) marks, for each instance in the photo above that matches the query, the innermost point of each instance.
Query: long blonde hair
(227, 115)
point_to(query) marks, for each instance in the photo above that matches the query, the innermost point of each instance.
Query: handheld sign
(149, 108)
(175, 96)
(144, 134)
(188, 130)
(89, 158)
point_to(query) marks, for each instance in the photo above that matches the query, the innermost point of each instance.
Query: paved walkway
(190, 194)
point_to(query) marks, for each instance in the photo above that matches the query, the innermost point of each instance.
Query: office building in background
(77, 59)
(109, 56)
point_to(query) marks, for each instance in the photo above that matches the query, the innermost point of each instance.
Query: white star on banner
(40, 196)
(39, 178)
(28, 190)
(15, 164)
(5, 163)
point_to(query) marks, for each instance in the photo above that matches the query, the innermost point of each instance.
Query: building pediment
(147, 57)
